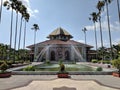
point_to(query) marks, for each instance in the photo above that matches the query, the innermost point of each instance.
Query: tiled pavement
(22, 80)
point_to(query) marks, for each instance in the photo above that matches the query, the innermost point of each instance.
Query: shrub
(73, 62)
(10, 62)
(106, 61)
(47, 62)
(62, 67)
(60, 62)
(94, 61)
(116, 64)
(1, 62)
(99, 69)
(4, 67)
(29, 68)
(27, 61)
(21, 61)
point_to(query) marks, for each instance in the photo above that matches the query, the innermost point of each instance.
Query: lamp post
(84, 30)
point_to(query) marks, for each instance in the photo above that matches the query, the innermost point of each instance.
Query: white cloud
(81, 41)
(31, 11)
(106, 43)
(113, 26)
(36, 11)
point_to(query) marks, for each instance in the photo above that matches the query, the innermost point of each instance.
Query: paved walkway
(85, 82)
(18, 68)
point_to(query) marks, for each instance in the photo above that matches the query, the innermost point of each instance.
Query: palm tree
(1, 9)
(94, 19)
(108, 2)
(26, 17)
(23, 10)
(10, 5)
(84, 30)
(118, 10)
(17, 9)
(35, 28)
(100, 7)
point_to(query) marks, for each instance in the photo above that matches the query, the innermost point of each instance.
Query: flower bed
(5, 74)
(116, 74)
(63, 75)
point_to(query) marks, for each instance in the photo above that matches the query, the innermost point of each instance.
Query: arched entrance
(52, 58)
(67, 55)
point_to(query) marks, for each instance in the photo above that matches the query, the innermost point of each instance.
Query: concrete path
(80, 82)
(59, 83)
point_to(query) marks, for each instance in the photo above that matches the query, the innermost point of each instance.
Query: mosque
(60, 47)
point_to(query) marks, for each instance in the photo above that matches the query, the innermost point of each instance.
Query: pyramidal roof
(60, 31)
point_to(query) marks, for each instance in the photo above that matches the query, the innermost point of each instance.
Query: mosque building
(60, 47)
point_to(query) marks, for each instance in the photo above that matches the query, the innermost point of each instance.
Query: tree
(94, 18)
(35, 28)
(116, 49)
(116, 63)
(22, 11)
(10, 5)
(17, 9)
(26, 17)
(100, 7)
(118, 10)
(108, 2)
(1, 50)
(1, 9)
(84, 30)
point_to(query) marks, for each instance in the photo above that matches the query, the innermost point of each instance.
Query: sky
(71, 15)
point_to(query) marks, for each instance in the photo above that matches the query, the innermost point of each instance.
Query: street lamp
(84, 30)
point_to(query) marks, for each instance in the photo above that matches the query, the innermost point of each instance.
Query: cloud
(31, 11)
(81, 41)
(114, 26)
(36, 11)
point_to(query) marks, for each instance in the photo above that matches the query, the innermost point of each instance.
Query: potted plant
(62, 73)
(116, 64)
(3, 72)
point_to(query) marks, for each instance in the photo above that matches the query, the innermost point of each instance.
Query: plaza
(48, 82)
(59, 44)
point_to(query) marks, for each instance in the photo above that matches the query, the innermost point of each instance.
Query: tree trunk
(101, 36)
(118, 10)
(109, 29)
(20, 35)
(34, 44)
(95, 38)
(1, 10)
(15, 34)
(24, 39)
(11, 26)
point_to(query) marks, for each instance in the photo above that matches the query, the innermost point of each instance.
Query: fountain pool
(68, 67)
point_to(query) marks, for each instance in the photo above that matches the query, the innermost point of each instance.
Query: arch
(52, 56)
(67, 55)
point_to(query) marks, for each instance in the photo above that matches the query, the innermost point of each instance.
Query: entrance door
(52, 56)
(67, 55)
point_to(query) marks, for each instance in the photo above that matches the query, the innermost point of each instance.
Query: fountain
(60, 47)
(60, 54)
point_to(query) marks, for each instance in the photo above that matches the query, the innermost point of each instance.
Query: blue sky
(72, 15)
